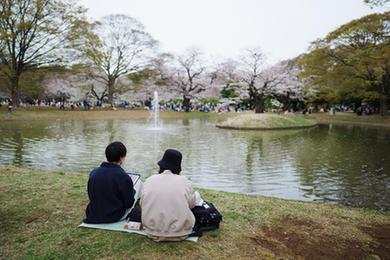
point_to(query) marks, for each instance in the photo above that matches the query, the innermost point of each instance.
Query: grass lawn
(40, 212)
(37, 113)
(350, 118)
(266, 121)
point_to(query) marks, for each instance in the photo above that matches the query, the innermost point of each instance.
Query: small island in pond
(266, 122)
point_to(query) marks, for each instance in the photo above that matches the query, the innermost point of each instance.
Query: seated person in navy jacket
(110, 189)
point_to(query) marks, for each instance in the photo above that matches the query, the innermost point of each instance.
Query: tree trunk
(287, 105)
(110, 95)
(186, 104)
(384, 109)
(15, 92)
(259, 104)
(286, 101)
(384, 90)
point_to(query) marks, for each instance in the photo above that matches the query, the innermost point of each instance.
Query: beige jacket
(166, 200)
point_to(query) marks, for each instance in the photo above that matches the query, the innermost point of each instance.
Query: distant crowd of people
(88, 104)
(201, 107)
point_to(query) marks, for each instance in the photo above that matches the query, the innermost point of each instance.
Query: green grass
(291, 121)
(44, 113)
(40, 212)
(351, 118)
(266, 121)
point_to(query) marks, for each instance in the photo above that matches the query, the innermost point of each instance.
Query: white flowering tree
(289, 87)
(187, 76)
(255, 81)
(114, 47)
(214, 82)
(280, 81)
(155, 77)
(229, 74)
(229, 69)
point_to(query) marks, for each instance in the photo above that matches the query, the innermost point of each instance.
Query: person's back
(110, 189)
(166, 201)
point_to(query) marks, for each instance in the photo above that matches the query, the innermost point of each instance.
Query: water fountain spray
(156, 111)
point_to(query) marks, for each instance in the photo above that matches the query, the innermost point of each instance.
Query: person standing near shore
(10, 106)
(111, 192)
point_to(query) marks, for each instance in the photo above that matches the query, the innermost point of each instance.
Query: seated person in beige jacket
(166, 201)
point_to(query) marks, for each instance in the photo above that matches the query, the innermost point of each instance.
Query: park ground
(43, 113)
(40, 212)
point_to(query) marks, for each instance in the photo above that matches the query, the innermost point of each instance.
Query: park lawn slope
(40, 212)
(50, 114)
(263, 121)
(349, 118)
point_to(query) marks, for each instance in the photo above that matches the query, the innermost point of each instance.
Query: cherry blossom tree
(213, 82)
(255, 81)
(187, 76)
(155, 77)
(118, 45)
(280, 81)
(290, 87)
(58, 87)
(228, 72)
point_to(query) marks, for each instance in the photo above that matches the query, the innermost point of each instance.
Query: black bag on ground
(134, 215)
(207, 217)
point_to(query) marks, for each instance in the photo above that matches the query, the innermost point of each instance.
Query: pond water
(347, 165)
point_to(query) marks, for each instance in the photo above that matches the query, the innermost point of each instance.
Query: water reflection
(347, 163)
(338, 164)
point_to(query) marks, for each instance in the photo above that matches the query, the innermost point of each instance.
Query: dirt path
(309, 240)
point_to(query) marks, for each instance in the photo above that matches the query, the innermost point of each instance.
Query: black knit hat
(171, 161)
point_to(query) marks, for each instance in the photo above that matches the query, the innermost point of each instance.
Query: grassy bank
(35, 114)
(350, 118)
(252, 121)
(40, 211)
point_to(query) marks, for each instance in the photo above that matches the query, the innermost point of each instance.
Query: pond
(347, 165)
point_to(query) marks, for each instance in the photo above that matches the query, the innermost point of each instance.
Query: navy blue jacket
(110, 192)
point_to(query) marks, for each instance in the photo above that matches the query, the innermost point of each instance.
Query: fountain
(156, 112)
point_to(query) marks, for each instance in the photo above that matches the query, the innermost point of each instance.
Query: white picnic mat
(119, 226)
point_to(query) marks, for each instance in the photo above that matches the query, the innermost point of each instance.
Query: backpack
(207, 217)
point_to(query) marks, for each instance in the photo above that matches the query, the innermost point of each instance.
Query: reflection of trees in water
(110, 129)
(87, 132)
(19, 135)
(28, 130)
(57, 144)
(255, 151)
(267, 146)
(18, 152)
(350, 164)
(185, 122)
(266, 154)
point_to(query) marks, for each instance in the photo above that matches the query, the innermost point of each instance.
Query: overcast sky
(222, 28)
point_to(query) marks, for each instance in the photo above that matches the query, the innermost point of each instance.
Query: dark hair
(173, 171)
(115, 151)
